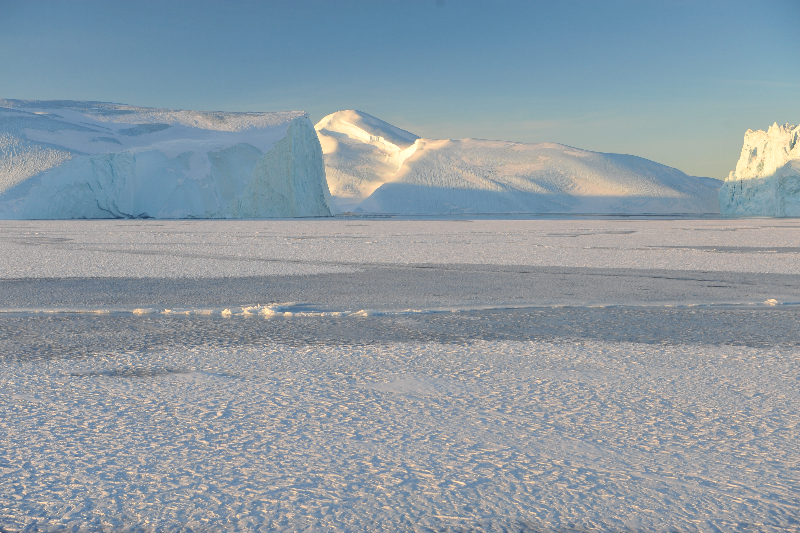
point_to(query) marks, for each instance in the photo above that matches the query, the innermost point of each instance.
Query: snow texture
(361, 154)
(67, 159)
(374, 167)
(669, 412)
(216, 249)
(480, 436)
(766, 181)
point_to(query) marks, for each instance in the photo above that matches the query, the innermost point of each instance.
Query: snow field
(179, 249)
(444, 437)
(652, 416)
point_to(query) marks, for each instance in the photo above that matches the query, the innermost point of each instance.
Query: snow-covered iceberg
(361, 154)
(67, 159)
(374, 167)
(766, 181)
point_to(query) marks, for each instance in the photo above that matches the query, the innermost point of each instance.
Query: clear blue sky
(677, 81)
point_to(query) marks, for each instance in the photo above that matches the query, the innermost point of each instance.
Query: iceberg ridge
(374, 167)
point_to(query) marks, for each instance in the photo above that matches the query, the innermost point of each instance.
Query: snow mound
(766, 181)
(373, 167)
(67, 159)
(361, 154)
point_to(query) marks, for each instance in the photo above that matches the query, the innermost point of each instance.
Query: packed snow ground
(211, 249)
(497, 436)
(675, 408)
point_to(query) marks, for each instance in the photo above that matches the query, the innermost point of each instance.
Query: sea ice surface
(66, 159)
(485, 435)
(354, 374)
(374, 167)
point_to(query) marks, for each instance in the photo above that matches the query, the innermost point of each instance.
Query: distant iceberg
(766, 181)
(67, 159)
(374, 167)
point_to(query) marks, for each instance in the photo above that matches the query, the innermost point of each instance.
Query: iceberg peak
(766, 181)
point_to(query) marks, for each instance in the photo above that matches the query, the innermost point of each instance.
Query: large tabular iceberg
(66, 159)
(766, 181)
(374, 167)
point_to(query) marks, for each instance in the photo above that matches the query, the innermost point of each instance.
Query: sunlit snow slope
(766, 181)
(374, 167)
(67, 159)
(361, 154)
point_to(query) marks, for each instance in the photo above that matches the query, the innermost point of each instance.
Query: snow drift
(374, 167)
(67, 159)
(361, 154)
(766, 181)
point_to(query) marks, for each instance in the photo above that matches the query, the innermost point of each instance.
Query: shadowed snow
(61, 160)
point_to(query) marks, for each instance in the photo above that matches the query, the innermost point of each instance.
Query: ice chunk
(766, 181)
(96, 160)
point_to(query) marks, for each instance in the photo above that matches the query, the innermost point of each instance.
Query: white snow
(374, 167)
(766, 181)
(201, 418)
(484, 436)
(361, 154)
(65, 159)
(209, 249)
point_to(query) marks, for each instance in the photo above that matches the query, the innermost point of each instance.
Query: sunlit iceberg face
(374, 167)
(766, 181)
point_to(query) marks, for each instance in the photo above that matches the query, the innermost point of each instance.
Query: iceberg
(69, 159)
(766, 181)
(374, 167)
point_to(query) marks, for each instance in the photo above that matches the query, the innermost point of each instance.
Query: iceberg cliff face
(98, 160)
(373, 167)
(766, 181)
